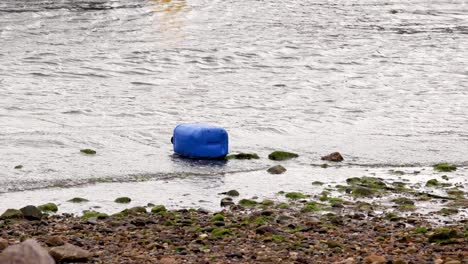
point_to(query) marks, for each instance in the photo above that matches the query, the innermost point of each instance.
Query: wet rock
(88, 151)
(3, 244)
(28, 252)
(278, 169)
(158, 208)
(265, 230)
(243, 156)
(69, 253)
(375, 259)
(232, 193)
(55, 241)
(444, 167)
(48, 207)
(282, 155)
(78, 200)
(247, 202)
(18, 167)
(12, 214)
(123, 200)
(227, 202)
(335, 156)
(31, 212)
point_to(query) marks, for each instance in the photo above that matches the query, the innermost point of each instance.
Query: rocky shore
(248, 232)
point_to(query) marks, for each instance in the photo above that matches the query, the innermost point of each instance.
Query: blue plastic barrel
(200, 141)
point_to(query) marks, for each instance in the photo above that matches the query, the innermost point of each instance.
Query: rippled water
(384, 82)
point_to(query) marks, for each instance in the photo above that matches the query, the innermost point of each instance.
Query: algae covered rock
(48, 207)
(295, 195)
(247, 202)
(88, 151)
(243, 156)
(158, 209)
(282, 155)
(233, 193)
(227, 201)
(94, 214)
(444, 167)
(11, 214)
(278, 169)
(123, 200)
(335, 156)
(78, 200)
(18, 167)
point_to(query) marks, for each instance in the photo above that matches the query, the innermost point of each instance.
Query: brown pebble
(375, 259)
(453, 262)
(3, 244)
(54, 241)
(335, 156)
(168, 260)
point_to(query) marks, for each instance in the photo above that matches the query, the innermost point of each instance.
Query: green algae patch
(312, 207)
(94, 214)
(282, 206)
(444, 167)
(392, 216)
(158, 209)
(444, 236)
(436, 183)
(277, 238)
(447, 211)
(420, 230)
(220, 233)
(217, 217)
(12, 214)
(48, 208)
(295, 195)
(361, 191)
(123, 200)
(317, 183)
(403, 201)
(88, 151)
(282, 155)
(242, 156)
(267, 202)
(369, 182)
(247, 202)
(78, 200)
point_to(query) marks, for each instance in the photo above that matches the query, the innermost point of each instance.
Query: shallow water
(384, 88)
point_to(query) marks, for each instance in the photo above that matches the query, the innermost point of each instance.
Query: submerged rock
(123, 200)
(12, 214)
(335, 156)
(28, 252)
(69, 253)
(282, 155)
(243, 156)
(233, 193)
(227, 202)
(88, 151)
(78, 200)
(278, 169)
(31, 212)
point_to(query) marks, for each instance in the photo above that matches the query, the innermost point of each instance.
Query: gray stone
(28, 252)
(278, 169)
(31, 212)
(69, 253)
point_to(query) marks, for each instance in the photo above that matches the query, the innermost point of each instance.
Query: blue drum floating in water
(200, 141)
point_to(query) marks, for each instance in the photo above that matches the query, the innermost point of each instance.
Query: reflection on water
(172, 18)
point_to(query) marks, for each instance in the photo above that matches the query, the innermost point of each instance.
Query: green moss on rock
(444, 167)
(78, 200)
(369, 182)
(295, 195)
(217, 217)
(220, 232)
(247, 202)
(18, 167)
(48, 207)
(11, 214)
(444, 235)
(123, 200)
(88, 151)
(282, 155)
(94, 214)
(312, 207)
(436, 183)
(158, 209)
(233, 193)
(317, 183)
(360, 191)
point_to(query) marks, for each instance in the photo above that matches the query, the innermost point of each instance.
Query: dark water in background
(384, 82)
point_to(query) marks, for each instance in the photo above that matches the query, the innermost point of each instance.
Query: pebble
(375, 259)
